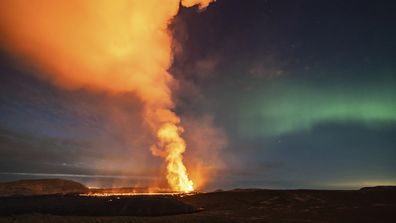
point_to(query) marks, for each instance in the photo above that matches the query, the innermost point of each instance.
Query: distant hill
(379, 188)
(41, 187)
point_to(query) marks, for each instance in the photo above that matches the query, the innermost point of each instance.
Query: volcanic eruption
(115, 46)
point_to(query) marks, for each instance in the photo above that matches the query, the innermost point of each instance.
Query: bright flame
(169, 137)
(119, 45)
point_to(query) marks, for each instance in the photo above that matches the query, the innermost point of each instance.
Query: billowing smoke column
(118, 45)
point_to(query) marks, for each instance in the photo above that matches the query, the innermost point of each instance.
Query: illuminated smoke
(117, 46)
(201, 3)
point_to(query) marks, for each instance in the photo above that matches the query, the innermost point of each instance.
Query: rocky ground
(368, 205)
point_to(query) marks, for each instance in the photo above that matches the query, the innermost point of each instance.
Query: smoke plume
(115, 46)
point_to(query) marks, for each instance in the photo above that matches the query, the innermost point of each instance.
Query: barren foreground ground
(231, 206)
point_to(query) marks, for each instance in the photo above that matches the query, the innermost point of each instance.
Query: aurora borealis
(271, 93)
(293, 107)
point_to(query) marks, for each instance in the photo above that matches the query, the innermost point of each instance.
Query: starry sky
(289, 94)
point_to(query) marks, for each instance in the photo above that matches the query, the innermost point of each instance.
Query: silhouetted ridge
(41, 187)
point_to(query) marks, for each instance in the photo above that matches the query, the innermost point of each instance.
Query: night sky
(283, 94)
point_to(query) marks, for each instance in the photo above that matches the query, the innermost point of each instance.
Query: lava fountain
(116, 46)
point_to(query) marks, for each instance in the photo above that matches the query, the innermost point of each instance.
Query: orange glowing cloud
(117, 46)
(201, 3)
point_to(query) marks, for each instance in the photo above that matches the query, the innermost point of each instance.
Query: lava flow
(103, 192)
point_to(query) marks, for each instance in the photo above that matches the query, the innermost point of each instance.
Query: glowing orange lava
(132, 194)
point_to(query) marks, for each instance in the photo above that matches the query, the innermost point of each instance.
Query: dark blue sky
(301, 93)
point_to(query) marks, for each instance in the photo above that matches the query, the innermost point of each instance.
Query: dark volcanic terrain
(41, 187)
(366, 205)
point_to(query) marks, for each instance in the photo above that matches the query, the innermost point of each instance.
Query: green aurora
(283, 108)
